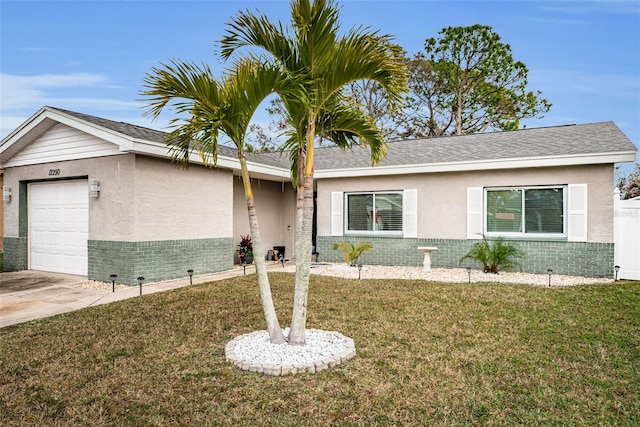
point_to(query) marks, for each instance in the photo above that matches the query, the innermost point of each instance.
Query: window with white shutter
(382, 212)
(543, 211)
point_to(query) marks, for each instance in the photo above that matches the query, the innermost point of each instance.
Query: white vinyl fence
(626, 236)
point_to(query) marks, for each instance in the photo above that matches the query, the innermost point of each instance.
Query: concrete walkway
(29, 295)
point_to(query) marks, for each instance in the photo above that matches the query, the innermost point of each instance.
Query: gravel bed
(323, 349)
(100, 286)
(447, 275)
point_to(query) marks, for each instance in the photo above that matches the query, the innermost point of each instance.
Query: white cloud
(20, 92)
(24, 95)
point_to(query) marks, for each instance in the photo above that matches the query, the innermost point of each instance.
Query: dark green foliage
(245, 247)
(495, 255)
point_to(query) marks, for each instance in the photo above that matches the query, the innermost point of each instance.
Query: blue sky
(91, 56)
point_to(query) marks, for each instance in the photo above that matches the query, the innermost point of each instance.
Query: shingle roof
(583, 139)
(592, 138)
(147, 134)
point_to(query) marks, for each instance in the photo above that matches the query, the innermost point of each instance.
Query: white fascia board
(22, 130)
(71, 121)
(267, 170)
(517, 163)
(20, 137)
(160, 150)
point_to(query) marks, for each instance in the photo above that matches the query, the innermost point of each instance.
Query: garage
(59, 226)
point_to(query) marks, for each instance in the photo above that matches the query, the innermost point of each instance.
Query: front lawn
(428, 354)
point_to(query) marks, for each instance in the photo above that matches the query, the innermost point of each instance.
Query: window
(535, 211)
(374, 212)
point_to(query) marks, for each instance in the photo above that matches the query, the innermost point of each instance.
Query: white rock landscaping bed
(447, 275)
(323, 349)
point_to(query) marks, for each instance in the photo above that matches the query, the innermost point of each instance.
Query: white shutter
(337, 213)
(577, 221)
(410, 213)
(474, 212)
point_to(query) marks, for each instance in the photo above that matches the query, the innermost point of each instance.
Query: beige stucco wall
(141, 198)
(442, 197)
(275, 204)
(173, 203)
(110, 215)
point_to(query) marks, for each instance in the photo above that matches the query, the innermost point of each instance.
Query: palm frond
(248, 30)
(495, 255)
(206, 107)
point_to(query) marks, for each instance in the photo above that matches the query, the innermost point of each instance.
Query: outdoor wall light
(549, 272)
(190, 273)
(6, 194)
(140, 280)
(359, 270)
(94, 188)
(469, 273)
(616, 268)
(113, 282)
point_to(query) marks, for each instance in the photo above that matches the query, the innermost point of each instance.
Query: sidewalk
(22, 304)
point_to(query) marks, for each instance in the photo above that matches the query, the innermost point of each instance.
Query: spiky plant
(352, 252)
(495, 255)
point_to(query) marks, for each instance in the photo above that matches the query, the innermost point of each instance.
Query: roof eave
(39, 123)
(255, 169)
(478, 165)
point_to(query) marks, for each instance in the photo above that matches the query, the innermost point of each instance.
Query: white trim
(487, 164)
(523, 233)
(46, 117)
(371, 232)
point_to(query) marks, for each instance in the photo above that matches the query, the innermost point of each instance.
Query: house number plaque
(54, 172)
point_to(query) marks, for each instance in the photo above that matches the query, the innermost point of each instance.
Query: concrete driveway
(29, 295)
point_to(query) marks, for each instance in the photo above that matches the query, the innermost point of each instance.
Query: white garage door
(59, 226)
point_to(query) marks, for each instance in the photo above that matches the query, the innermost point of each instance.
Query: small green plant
(353, 252)
(245, 247)
(495, 255)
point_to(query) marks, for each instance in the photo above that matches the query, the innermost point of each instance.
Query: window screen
(526, 210)
(374, 212)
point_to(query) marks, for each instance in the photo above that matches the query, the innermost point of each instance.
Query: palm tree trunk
(304, 224)
(273, 326)
(303, 263)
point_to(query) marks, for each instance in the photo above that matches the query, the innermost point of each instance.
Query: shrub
(495, 255)
(352, 252)
(245, 247)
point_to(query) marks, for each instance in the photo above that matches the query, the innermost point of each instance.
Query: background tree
(314, 50)
(466, 81)
(209, 108)
(479, 86)
(630, 186)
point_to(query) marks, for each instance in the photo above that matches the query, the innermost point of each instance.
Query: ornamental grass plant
(495, 255)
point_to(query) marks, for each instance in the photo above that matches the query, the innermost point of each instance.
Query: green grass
(428, 354)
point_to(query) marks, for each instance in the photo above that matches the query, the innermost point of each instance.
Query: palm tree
(326, 61)
(212, 108)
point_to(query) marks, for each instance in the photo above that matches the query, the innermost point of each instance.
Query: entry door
(59, 226)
